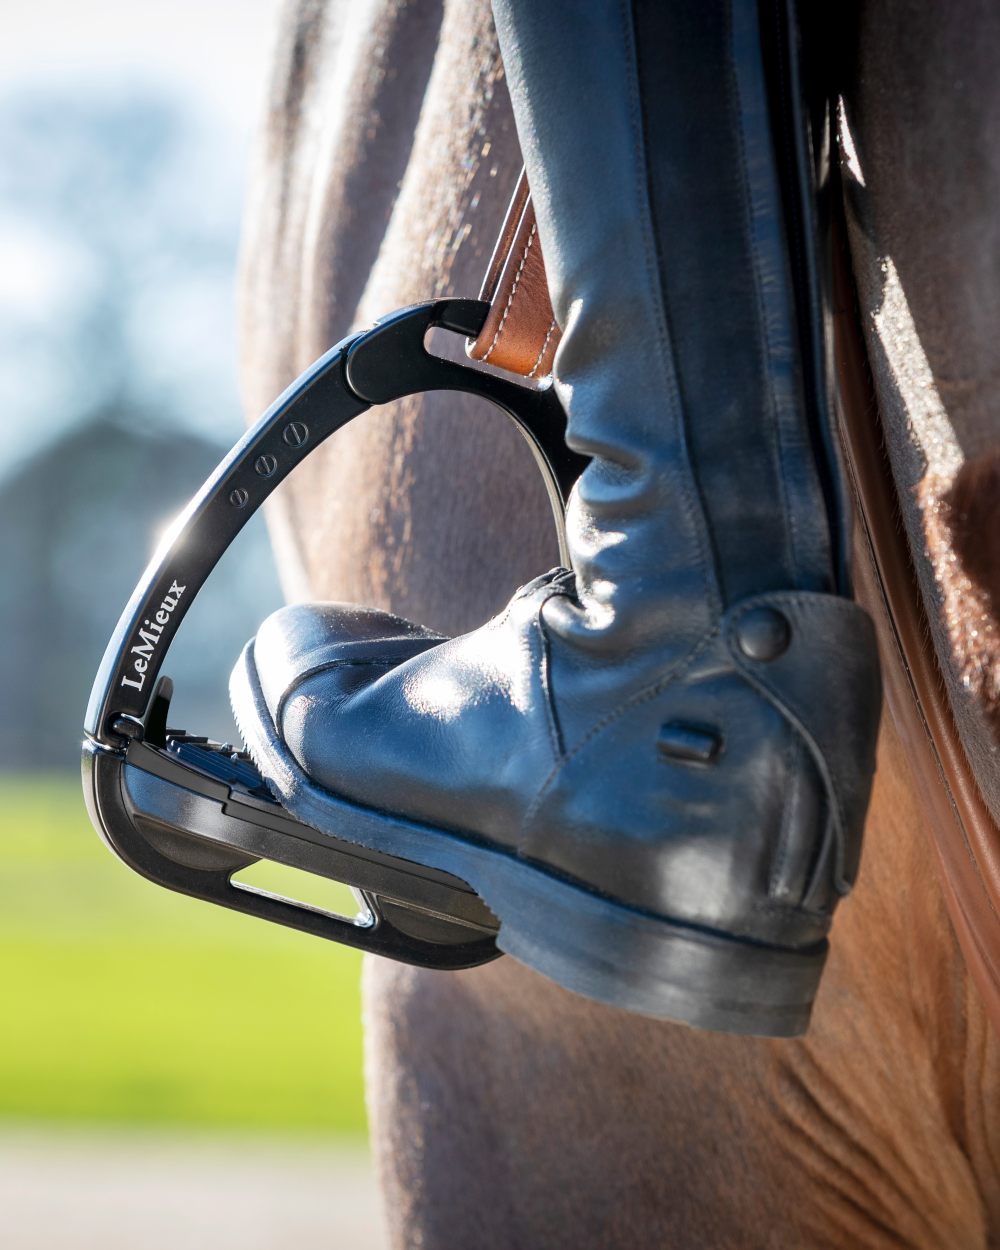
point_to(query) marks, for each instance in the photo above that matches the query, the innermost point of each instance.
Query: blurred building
(79, 520)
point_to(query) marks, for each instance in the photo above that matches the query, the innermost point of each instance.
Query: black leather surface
(548, 731)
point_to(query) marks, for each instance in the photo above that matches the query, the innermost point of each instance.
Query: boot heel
(639, 963)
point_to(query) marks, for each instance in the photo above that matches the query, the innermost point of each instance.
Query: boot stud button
(763, 634)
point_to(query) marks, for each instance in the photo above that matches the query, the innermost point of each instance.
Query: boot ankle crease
(643, 695)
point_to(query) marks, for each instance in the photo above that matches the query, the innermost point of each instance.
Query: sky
(217, 49)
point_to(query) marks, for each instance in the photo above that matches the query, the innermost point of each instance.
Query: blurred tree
(119, 218)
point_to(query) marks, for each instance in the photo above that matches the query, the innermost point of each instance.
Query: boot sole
(584, 941)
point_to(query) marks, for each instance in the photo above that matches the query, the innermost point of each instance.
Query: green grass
(124, 1003)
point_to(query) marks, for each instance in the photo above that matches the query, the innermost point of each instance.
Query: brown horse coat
(506, 1112)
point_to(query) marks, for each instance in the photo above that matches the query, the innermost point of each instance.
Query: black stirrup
(188, 813)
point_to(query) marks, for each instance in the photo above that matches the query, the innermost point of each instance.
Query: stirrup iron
(189, 813)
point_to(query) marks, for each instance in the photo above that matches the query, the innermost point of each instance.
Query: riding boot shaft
(666, 241)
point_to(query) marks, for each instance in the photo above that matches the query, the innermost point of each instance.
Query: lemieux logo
(149, 637)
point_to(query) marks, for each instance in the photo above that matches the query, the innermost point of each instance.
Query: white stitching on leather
(513, 289)
(545, 344)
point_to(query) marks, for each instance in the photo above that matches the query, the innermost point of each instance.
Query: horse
(505, 1111)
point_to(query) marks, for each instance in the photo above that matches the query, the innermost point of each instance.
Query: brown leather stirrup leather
(521, 335)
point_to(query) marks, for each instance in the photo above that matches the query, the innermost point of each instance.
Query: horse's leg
(384, 171)
(509, 1113)
(505, 1111)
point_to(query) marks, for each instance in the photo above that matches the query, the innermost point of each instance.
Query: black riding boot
(653, 767)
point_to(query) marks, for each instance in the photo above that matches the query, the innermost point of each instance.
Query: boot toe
(348, 644)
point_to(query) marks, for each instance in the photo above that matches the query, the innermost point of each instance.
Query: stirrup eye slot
(304, 889)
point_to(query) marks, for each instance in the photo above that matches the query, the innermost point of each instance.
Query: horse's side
(506, 1112)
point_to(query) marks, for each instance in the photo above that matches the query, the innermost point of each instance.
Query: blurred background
(170, 1074)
